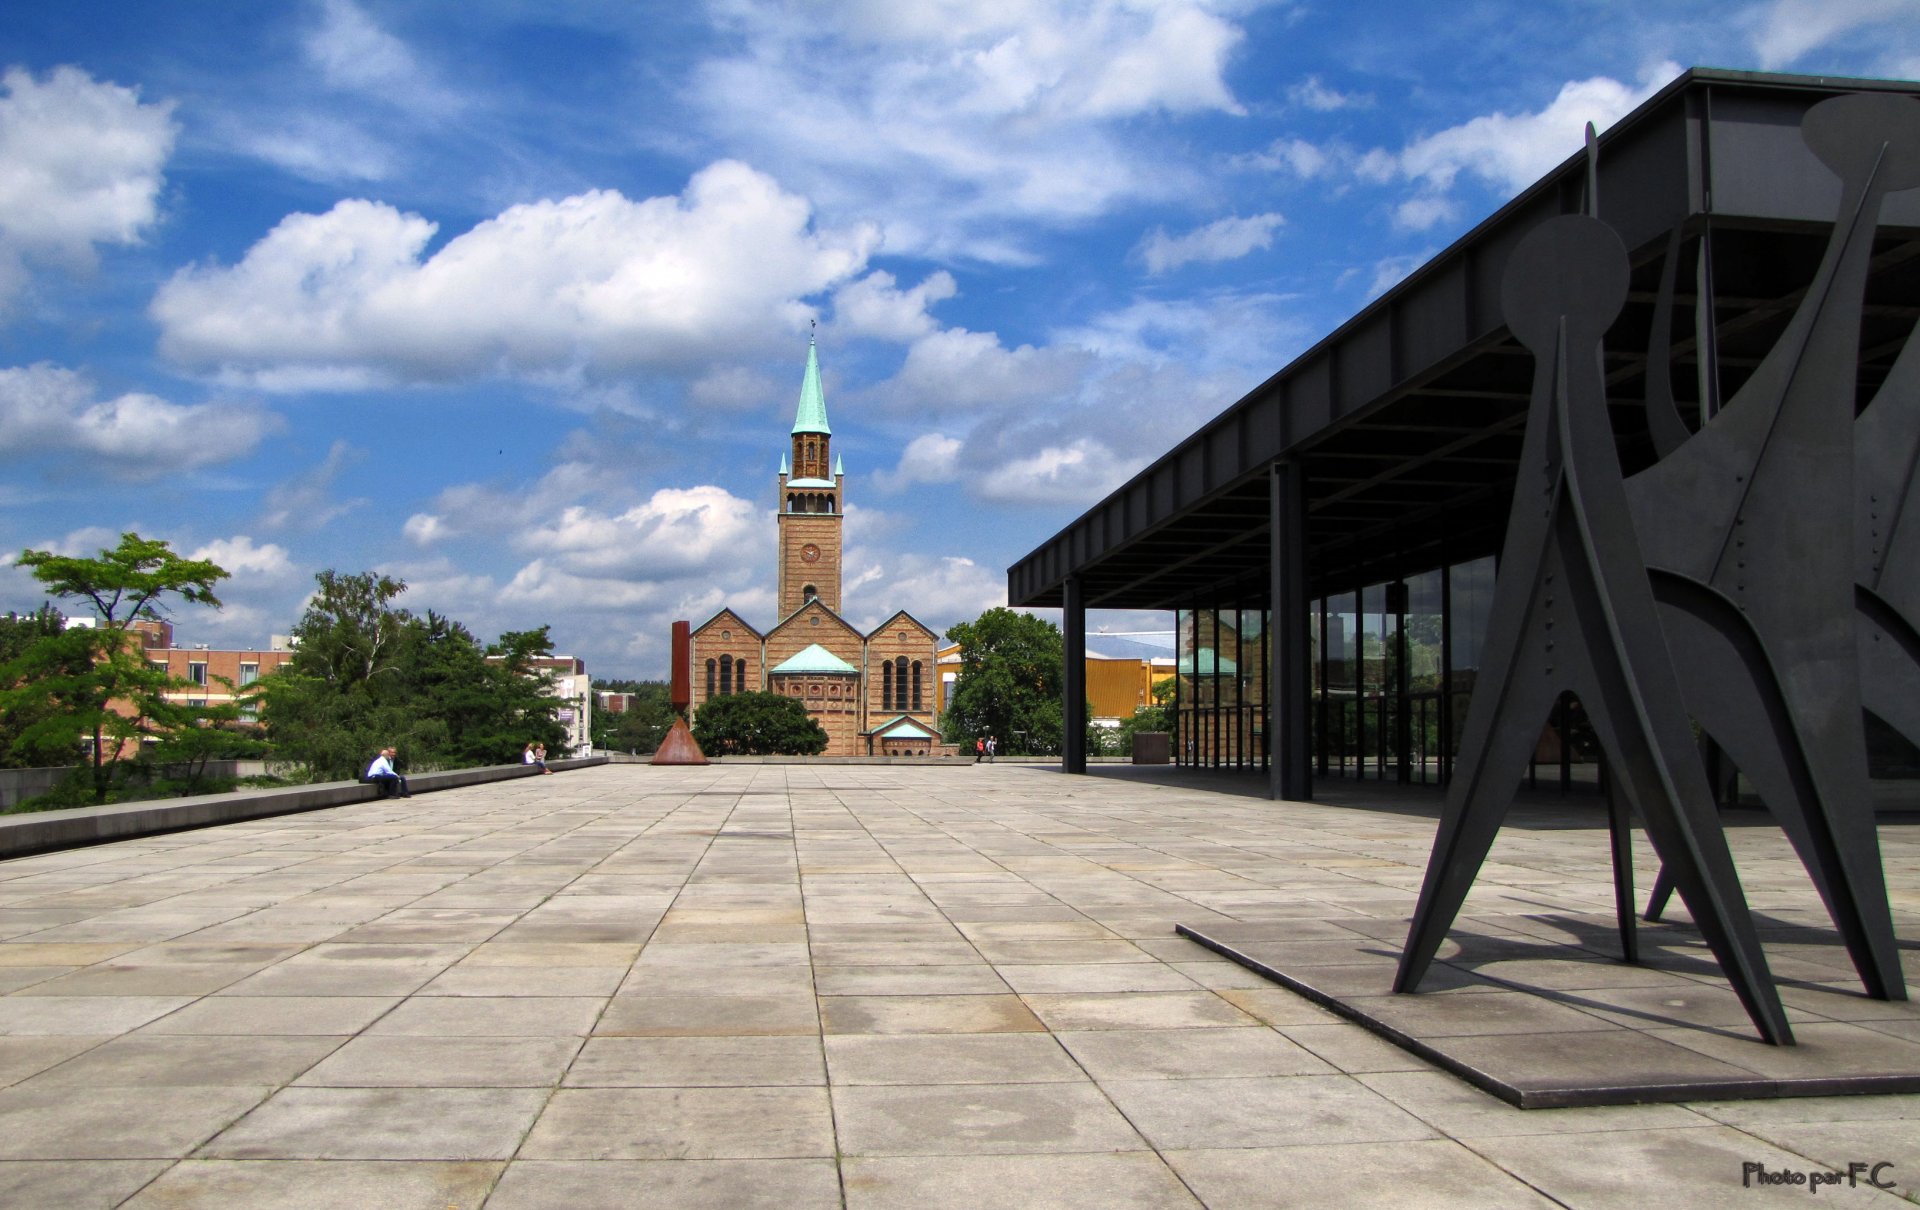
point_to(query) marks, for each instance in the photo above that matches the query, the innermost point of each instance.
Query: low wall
(41, 831)
(18, 785)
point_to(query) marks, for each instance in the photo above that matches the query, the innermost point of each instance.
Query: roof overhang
(1406, 420)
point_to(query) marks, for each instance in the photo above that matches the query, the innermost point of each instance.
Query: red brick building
(875, 693)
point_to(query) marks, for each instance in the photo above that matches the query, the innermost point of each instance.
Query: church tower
(810, 503)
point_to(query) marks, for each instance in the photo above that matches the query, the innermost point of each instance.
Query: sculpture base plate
(1539, 1010)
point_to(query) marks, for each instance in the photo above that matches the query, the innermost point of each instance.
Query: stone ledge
(43, 831)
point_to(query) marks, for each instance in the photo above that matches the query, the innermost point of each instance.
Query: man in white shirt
(380, 773)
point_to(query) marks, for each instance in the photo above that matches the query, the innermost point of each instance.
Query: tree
(1011, 682)
(367, 673)
(18, 634)
(757, 724)
(642, 725)
(95, 682)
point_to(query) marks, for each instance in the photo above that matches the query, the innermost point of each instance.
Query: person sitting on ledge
(537, 757)
(380, 773)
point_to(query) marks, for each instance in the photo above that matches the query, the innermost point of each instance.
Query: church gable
(726, 620)
(899, 622)
(728, 657)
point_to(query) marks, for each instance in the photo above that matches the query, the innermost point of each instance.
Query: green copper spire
(812, 416)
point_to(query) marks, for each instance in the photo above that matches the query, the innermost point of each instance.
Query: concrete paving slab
(444, 1062)
(1427, 1174)
(976, 1119)
(800, 1184)
(682, 1123)
(301, 1184)
(1016, 1058)
(1122, 1180)
(96, 1122)
(692, 1062)
(74, 1183)
(382, 1124)
(1184, 1054)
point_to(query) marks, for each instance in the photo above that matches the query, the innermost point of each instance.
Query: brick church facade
(874, 693)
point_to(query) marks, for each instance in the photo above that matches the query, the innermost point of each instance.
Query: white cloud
(675, 532)
(1310, 93)
(928, 458)
(48, 410)
(1785, 31)
(1223, 239)
(1425, 211)
(424, 529)
(1511, 151)
(306, 501)
(1076, 472)
(239, 556)
(971, 371)
(318, 147)
(875, 306)
(593, 283)
(956, 116)
(937, 590)
(731, 389)
(353, 54)
(80, 166)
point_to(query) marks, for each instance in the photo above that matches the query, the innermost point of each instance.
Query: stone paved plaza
(781, 985)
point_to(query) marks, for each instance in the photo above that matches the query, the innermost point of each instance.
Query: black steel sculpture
(1763, 577)
(1757, 592)
(1573, 611)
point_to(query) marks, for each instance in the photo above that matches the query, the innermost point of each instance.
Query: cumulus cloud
(875, 306)
(674, 532)
(1076, 472)
(1511, 151)
(937, 590)
(240, 556)
(80, 166)
(959, 369)
(593, 283)
(1221, 240)
(46, 410)
(963, 115)
(928, 458)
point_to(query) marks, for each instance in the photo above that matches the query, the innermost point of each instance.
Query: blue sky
(510, 299)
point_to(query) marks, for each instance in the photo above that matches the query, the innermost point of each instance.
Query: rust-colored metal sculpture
(679, 747)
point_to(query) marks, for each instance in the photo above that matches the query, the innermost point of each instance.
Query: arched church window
(916, 684)
(886, 684)
(711, 665)
(726, 674)
(808, 593)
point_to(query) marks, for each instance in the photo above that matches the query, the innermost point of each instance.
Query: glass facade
(1391, 671)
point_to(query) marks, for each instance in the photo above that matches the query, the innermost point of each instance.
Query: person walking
(979, 749)
(992, 745)
(380, 773)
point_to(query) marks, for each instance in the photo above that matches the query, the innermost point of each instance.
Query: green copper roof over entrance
(812, 415)
(816, 658)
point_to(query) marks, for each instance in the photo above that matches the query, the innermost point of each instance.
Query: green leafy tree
(642, 725)
(96, 683)
(197, 735)
(757, 724)
(18, 634)
(1011, 683)
(367, 673)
